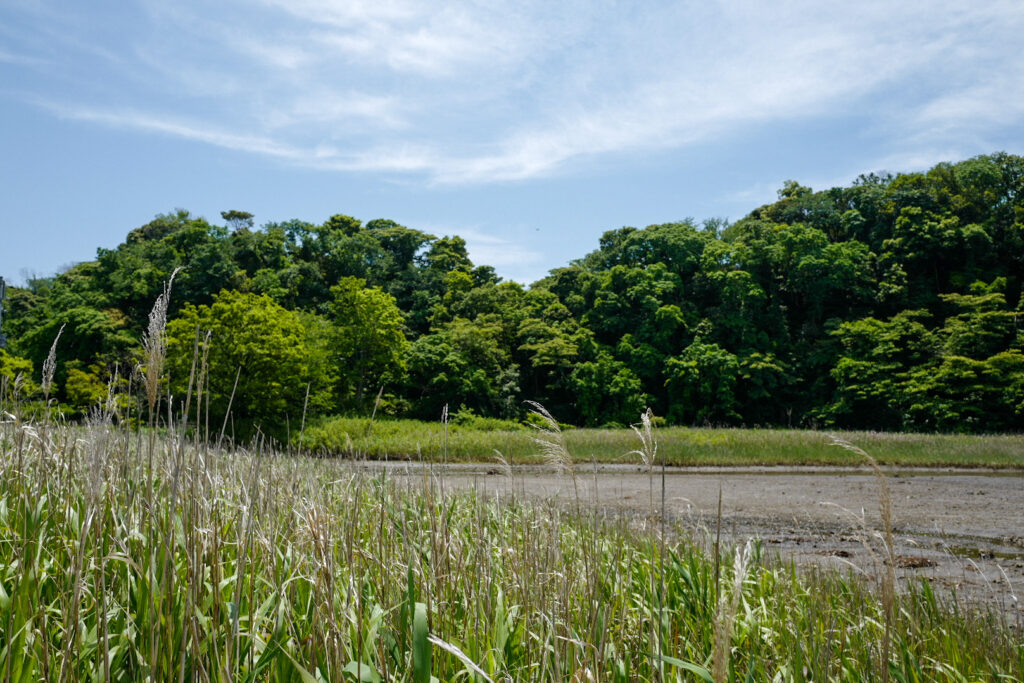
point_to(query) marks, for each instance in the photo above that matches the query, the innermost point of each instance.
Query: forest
(893, 304)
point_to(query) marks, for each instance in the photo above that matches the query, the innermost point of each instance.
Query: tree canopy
(894, 303)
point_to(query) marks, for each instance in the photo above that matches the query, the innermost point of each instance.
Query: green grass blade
(704, 674)
(421, 664)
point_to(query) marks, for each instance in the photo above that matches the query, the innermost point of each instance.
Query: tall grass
(250, 565)
(408, 439)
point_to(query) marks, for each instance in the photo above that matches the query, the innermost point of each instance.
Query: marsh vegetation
(249, 564)
(356, 437)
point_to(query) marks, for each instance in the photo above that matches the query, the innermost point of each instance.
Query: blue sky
(529, 128)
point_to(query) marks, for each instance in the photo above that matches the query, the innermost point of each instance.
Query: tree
(367, 337)
(237, 220)
(678, 246)
(548, 342)
(982, 325)
(265, 346)
(463, 363)
(628, 300)
(91, 336)
(12, 368)
(976, 382)
(894, 303)
(84, 389)
(702, 384)
(872, 372)
(607, 391)
(132, 276)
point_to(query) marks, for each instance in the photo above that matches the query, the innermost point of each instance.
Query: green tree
(84, 388)
(975, 383)
(607, 391)
(91, 337)
(368, 340)
(131, 276)
(265, 346)
(872, 372)
(678, 246)
(956, 395)
(12, 368)
(550, 341)
(982, 324)
(628, 300)
(237, 220)
(463, 363)
(702, 385)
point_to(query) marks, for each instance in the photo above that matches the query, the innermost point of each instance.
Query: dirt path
(964, 530)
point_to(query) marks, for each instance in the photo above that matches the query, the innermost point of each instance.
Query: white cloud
(284, 56)
(182, 129)
(421, 38)
(511, 259)
(496, 251)
(984, 103)
(486, 91)
(327, 107)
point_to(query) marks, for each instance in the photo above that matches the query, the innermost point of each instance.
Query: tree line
(891, 304)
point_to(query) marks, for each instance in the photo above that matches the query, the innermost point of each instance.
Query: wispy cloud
(12, 58)
(514, 259)
(497, 251)
(182, 129)
(420, 38)
(329, 107)
(975, 106)
(324, 156)
(473, 92)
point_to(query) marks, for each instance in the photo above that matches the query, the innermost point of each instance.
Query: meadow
(483, 440)
(124, 556)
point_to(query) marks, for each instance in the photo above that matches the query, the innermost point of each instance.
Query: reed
(269, 566)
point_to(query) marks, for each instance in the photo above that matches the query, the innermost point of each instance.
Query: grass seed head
(648, 450)
(154, 342)
(551, 441)
(50, 364)
(725, 617)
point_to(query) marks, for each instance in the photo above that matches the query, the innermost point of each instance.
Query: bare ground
(962, 529)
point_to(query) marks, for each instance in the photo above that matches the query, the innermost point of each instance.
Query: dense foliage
(892, 304)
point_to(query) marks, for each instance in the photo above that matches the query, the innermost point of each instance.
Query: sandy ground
(963, 529)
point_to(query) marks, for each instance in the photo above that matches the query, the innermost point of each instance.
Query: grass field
(128, 558)
(410, 439)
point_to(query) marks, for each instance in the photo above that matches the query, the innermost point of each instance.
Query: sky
(528, 128)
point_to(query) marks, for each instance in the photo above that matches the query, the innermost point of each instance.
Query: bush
(466, 418)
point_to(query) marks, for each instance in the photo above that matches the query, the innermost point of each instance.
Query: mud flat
(962, 529)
